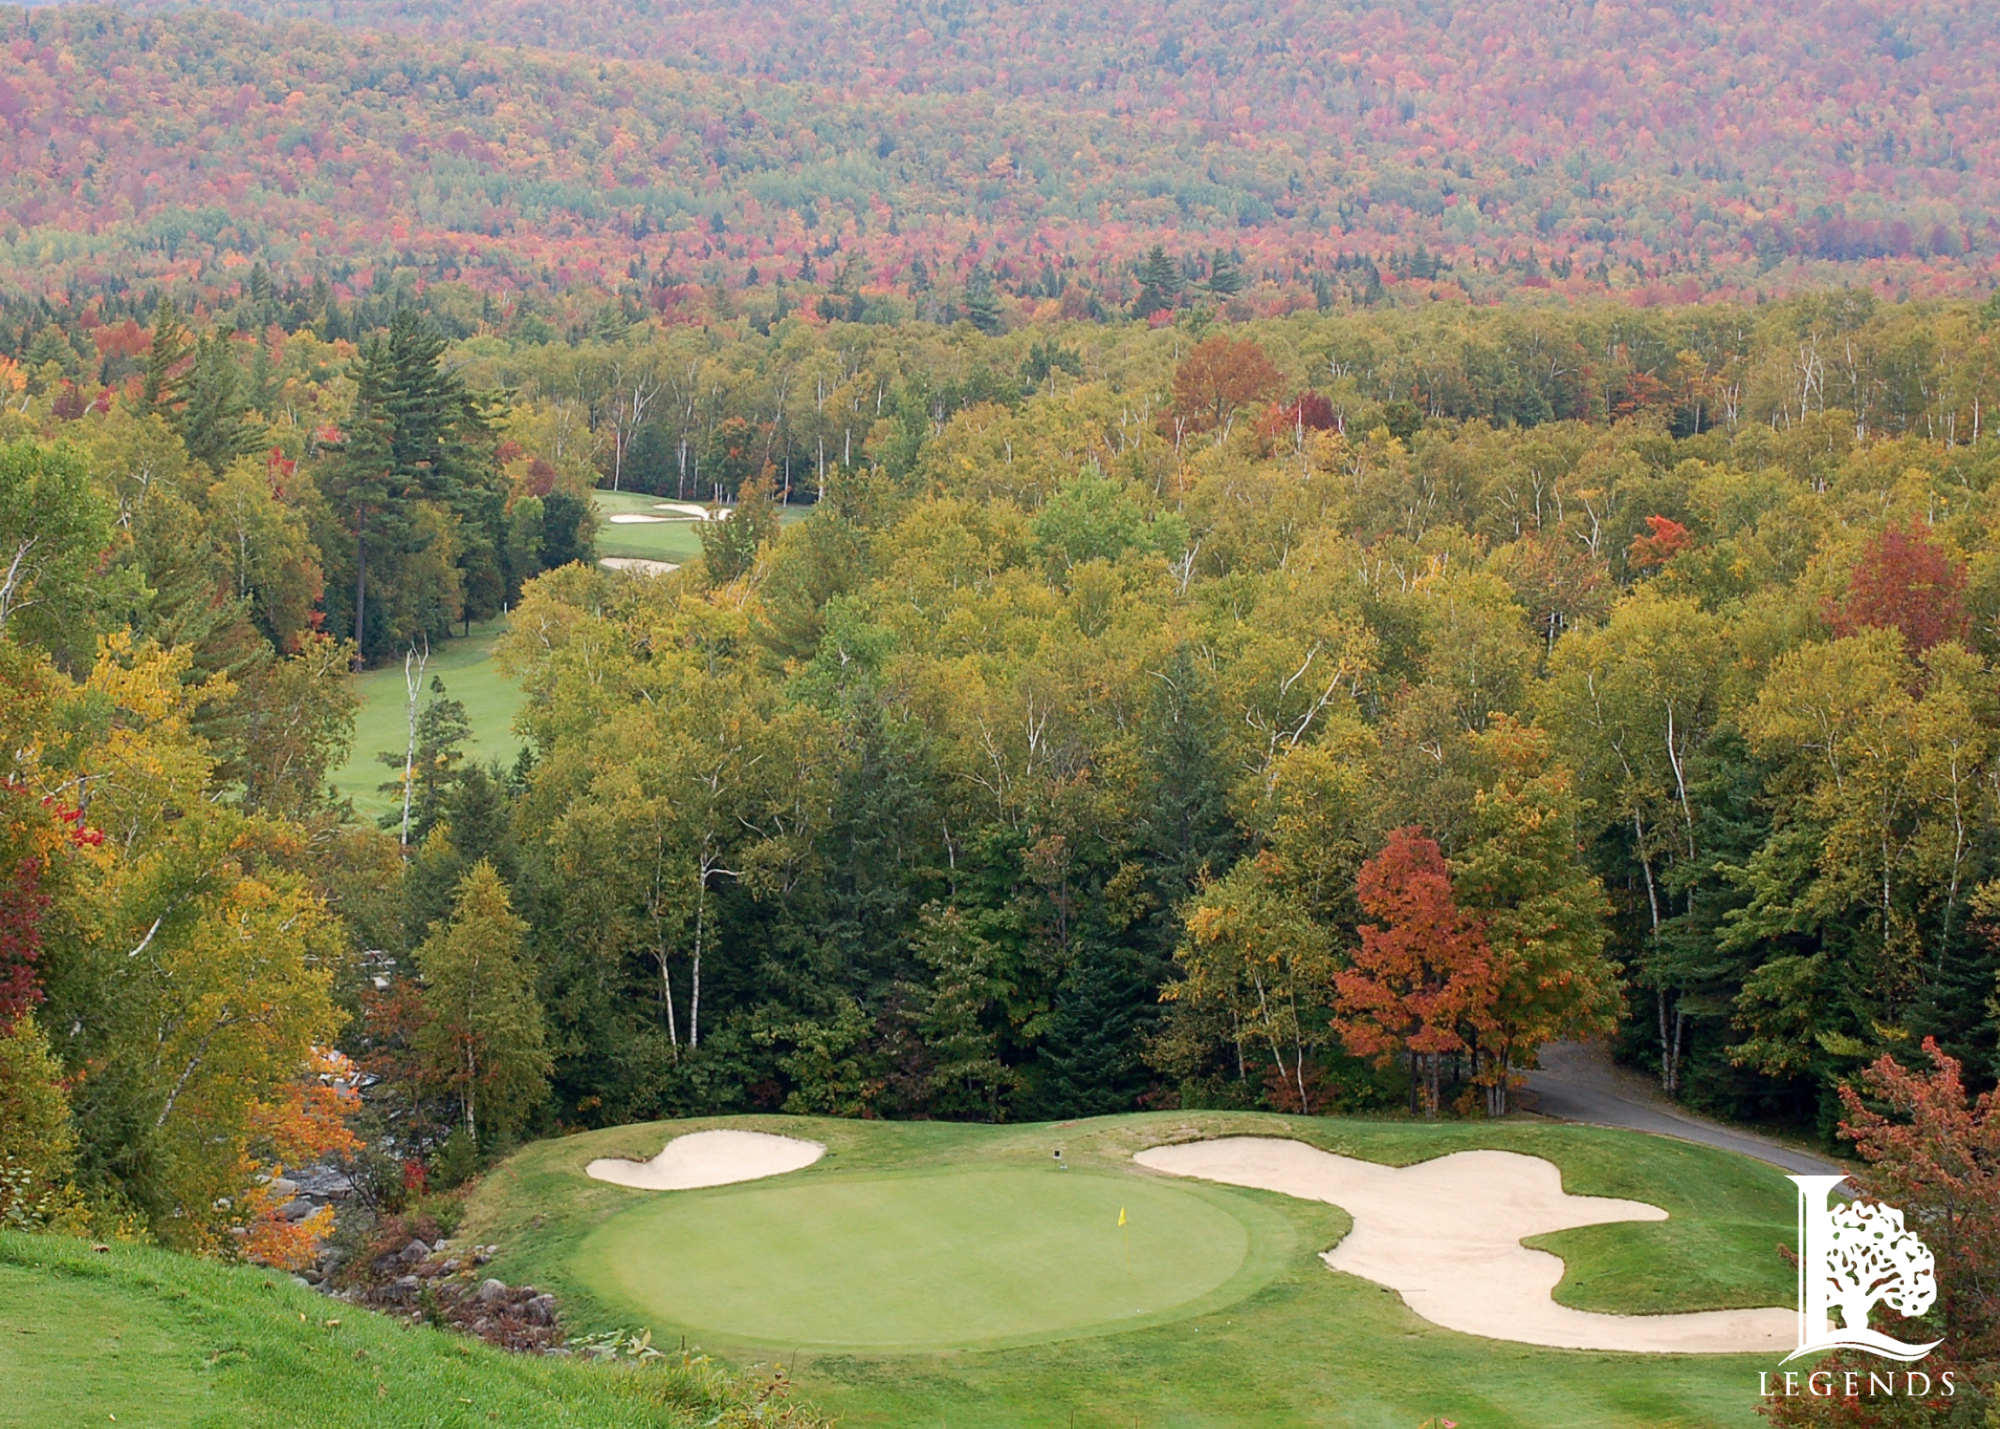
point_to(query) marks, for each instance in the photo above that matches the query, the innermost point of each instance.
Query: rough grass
(1301, 1345)
(466, 666)
(135, 1336)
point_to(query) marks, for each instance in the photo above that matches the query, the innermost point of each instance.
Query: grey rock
(492, 1292)
(541, 1310)
(415, 1251)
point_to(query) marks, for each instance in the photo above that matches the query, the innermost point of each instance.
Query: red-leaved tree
(1934, 1153)
(1664, 539)
(1905, 582)
(1220, 377)
(1422, 982)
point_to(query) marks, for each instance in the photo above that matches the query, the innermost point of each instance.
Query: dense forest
(1248, 557)
(1316, 713)
(932, 161)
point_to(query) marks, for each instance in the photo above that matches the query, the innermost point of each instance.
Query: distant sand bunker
(710, 1158)
(638, 564)
(1446, 1236)
(685, 509)
(634, 518)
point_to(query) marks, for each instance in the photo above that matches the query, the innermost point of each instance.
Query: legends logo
(1852, 1258)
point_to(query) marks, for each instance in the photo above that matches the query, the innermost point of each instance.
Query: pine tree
(1225, 275)
(214, 421)
(1159, 284)
(483, 1035)
(171, 347)
(982, 305)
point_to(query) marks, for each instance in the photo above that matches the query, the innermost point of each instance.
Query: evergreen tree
(566, 531)
(483, 1037)
(171, 347)
(214, 420)
(1159, 284)
(982, 305)
(1225, 275)
(442, 729)
(416, 437)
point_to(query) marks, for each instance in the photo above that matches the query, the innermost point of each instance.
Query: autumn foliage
(1663, 539)
(1219, 378)
(1933, 1151)
(1904, 582)
(1422, 983)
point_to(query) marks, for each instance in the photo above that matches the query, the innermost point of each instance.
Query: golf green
(972, 1257)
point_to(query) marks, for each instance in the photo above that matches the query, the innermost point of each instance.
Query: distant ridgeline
(1005, 161)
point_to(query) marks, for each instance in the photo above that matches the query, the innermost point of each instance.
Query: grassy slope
(138, 1336)
(470, 676)
(1309, 1347)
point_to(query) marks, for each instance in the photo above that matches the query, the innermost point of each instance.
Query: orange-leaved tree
(1933, 1152)
(1215, 381)
(1904, 581)
(1422, 983)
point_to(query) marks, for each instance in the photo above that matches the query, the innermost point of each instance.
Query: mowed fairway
(673, 540)
(929, 1261)
(865, 1273)
(465, 664)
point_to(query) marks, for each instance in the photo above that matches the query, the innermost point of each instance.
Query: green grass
(675, 541)
(1282, 1341)
(146, 1337)
(466, 666)
(965, 1257)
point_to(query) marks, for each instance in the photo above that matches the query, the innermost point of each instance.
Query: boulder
(493, 1292)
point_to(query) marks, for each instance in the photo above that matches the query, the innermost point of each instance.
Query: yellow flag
(1121, 1215)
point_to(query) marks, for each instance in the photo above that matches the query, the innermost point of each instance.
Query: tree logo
(1852, 1258)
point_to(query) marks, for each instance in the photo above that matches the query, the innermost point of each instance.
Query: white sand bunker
(638, 564)
(1446, 1236)
(687, 510)
(710, 1158)
(635, 518)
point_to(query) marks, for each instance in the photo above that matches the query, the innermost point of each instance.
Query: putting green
(973, 1257)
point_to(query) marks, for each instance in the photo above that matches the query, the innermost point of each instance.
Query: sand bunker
(1446, 1236)
(637, 564)
(634, 518)
(685, 509)
(710, 1158)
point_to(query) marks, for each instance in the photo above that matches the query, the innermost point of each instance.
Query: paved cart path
(1579, 1082)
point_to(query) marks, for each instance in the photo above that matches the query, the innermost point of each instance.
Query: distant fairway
(925, 1262)
(470, 676)
(675, 541)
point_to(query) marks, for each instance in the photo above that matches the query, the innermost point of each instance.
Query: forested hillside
(994, 162)
(1316, 714)
(1255, 557)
